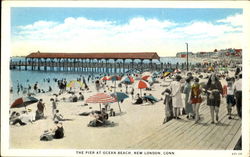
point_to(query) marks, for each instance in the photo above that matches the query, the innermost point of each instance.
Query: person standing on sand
(132, 93)
(40, 109)
(36, 87)
(54, 107)
(214, 89)
(176, 96)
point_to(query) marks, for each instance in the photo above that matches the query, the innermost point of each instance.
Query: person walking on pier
(195, 98)
(176, 96)
(188, 105)
(214, 89)
(238, 95)
(230, 96)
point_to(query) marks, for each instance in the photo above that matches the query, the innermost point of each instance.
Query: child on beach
(81, 97)
(58, 116)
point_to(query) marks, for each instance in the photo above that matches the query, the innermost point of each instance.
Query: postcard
(121, 78)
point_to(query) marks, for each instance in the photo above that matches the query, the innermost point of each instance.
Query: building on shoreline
(216, 54)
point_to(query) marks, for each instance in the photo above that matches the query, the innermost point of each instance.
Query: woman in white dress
(176, 96)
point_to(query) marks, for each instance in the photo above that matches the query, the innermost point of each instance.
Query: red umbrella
(23, 102)
(115, 78)
(145, 77)
(142, 84)
(128, 80)
(105, 78)
(101, 98)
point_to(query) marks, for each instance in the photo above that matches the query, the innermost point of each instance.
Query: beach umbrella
(128, 80)
(151, 97)
(115, 78)
(146, 73)
(23, 102)
(166, 74)
(105, 78)
(177, 71)
(145, 77)
(151, 80)
(75, 84)
(120, 96)
(101, 98)
(210, 69)
(142, 84)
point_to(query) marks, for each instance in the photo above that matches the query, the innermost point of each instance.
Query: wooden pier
(89, 62)
(185, 135)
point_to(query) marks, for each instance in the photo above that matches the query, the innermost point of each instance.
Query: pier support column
(74, 64)
(106, 65)
(123, 66)
(132, 65)
(45, 64)
(151, 64)
(25, 68)
(115, 66)
(141, 64)
(32, 68)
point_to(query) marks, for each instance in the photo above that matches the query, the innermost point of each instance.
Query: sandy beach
(132, 125)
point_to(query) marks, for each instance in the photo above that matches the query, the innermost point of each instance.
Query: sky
(161, 30)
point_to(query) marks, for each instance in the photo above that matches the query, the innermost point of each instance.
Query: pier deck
(184, 134)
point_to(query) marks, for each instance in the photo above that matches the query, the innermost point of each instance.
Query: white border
(5, 42)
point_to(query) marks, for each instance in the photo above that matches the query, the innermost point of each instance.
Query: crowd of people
(210, 93)
(195, 93)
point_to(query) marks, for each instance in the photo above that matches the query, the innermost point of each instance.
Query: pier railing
(84, 66)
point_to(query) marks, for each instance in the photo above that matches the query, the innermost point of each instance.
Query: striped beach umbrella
(105, 78)
(115, 78)
(166, 74)
(101, 98)
(145, 77)
(23, 102)
(128, 80)
(177, 71)
(75, 84)
(141, 84)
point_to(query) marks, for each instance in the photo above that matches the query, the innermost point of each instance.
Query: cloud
(138, 34)
(235, 20)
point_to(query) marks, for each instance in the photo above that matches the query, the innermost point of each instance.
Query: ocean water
(29, 78)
